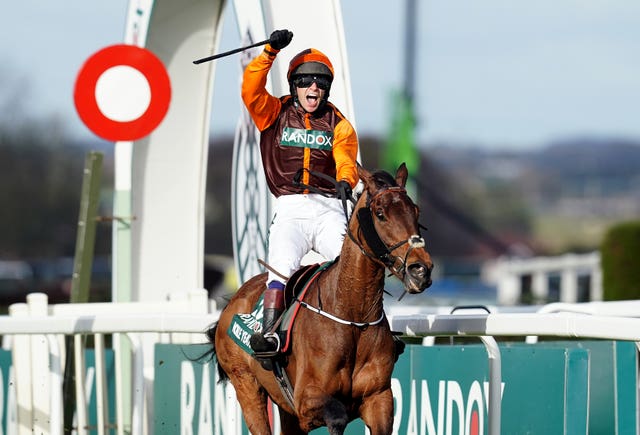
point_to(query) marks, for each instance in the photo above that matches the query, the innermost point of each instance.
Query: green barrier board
(613, 381)
(437, 390)
(111, 390)
(445, 389)
(7, 404)
(188, 397)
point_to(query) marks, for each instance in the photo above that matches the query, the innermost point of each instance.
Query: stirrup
(276, 337)
(267, 340)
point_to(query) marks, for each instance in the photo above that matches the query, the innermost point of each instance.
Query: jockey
(300, 134)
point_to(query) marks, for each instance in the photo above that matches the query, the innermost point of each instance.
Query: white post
(121, 395)
(540, 285)
(137, 421)
(596, 283)
(509, 288)
(102, 404)
(56, 381)
(40, 387)
(569, 285)
(81, 397)
(495, 384)
(169, 166)
(21, 359)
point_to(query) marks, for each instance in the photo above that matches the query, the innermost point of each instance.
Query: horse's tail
(211, 353)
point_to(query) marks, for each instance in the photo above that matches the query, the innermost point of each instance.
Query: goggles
(305, 80)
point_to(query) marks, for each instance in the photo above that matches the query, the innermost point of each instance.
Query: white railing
(507, 274)
(35, 331)
(34, 334)
(604, 320)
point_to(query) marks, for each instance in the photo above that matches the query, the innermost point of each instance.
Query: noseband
(379, 249)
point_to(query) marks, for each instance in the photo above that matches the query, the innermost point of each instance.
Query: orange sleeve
(345, 152)
(262, 106)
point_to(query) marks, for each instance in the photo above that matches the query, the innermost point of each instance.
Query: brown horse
(343, 352)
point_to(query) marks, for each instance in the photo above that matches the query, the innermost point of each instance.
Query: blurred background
(519, 124)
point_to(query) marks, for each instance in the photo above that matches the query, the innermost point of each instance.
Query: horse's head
(388, 226)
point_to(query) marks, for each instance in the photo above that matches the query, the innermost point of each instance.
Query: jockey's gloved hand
(279, 39)
(344, 189)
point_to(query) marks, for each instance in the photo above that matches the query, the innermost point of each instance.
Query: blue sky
(496, 73)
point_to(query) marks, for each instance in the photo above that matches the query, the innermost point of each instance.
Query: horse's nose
(421, 274)
(420, 271)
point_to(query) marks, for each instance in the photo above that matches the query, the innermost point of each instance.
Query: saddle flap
(242, 326)
(297, 281)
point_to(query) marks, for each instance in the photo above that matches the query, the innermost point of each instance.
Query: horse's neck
(360, 284)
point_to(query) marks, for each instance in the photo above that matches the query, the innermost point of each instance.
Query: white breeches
(302, 223)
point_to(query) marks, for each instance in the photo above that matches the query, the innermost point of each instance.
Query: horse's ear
(366, 177)
(362, 172)
(401, 175)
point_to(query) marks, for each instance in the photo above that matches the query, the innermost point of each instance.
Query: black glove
(344, 189)
(279, 39)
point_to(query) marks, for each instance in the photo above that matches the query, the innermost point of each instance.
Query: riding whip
(227, 53)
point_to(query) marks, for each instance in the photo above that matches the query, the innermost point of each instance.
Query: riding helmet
(310, 61)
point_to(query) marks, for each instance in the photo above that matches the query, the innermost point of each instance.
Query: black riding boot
(269, 343)
(273, 306)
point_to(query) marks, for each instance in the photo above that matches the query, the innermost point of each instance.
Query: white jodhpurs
(302, 223)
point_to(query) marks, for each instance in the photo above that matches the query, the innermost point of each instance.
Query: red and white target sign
(122, 92)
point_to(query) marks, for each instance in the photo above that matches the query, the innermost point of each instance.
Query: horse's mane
(381, 179)
(384, 179)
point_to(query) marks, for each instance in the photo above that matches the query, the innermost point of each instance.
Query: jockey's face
(311, 90)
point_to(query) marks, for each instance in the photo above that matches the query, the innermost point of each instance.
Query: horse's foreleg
(253, 402)
(377, 413)
(251, 396)
(316, 408)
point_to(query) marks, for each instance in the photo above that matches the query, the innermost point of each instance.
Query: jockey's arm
(345, 152)
(262, 106)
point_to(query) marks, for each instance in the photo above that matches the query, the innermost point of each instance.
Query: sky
(492, 73)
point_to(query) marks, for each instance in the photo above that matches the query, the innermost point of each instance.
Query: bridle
(379, 250)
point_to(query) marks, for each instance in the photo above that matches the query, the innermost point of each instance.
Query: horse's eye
(380, 214)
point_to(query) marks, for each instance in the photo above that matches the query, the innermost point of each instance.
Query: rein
(340, 193)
